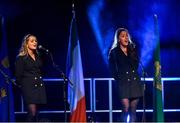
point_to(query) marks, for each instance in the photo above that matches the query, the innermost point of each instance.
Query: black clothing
(28, 76)
(124, 70)
(31, 118)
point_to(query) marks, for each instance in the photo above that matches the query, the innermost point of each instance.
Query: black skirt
(33, 91)
(130, 89)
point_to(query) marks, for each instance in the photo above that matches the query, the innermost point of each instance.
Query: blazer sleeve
(19, 69)
(113, 65)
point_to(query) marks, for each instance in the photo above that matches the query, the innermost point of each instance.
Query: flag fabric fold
(74, 71)
(157, 85)
(6, 92)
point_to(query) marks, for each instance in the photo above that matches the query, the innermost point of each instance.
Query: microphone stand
(144, 74)
(65, 81)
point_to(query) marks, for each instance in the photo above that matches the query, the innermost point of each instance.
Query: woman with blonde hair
(29, 77)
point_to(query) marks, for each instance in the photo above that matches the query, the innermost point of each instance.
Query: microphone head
(42, 48)
(132, 44)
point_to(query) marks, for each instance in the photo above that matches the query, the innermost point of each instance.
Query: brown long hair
(116, 37)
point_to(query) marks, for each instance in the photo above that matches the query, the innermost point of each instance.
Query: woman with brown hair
(123, 61)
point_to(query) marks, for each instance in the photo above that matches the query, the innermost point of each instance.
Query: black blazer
(122, 66)
(29, 77)
(124, 70)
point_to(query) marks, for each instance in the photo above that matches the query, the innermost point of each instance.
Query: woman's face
(123, 38)
(32, 43)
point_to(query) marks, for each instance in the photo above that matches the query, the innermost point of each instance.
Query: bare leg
(125, 108)
(133, 106)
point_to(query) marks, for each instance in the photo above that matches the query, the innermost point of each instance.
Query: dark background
(97, 21)
(50, 22)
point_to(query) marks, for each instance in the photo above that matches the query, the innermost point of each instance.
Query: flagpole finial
(155, 16)
(73, 9)
(73, 6)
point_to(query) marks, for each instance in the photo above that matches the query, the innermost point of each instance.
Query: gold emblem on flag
(3, 93)
(157, 68)
(159, 86)
(5, 62)
(157, 80)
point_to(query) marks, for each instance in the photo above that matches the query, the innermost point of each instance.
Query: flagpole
(66, 80)
(76, 93)
(7, 104)
(158, 113)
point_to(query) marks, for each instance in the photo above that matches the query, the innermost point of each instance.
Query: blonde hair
(24, 50)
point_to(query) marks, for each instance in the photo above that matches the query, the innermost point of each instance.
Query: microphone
(42, 48)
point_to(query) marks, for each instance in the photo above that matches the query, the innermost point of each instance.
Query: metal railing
(92, 90)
